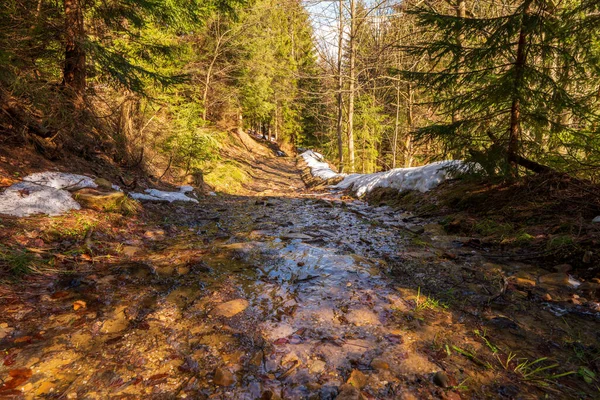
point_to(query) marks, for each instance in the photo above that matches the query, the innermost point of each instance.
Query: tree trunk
(351, 88)
(340, 87)
(396, 126)
(409, 123)
(460, 13)
(74, 69)
(515, 110)
(276, 122)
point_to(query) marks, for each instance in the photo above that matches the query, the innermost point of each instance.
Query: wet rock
(270, 395)
(117, 322)
(591, 289)
(587, 257)
(100, 201)
(230, 308)
(596, 220)
(223, 377)
(317, 367)
(293, 235)
(417, 230)
(357, 379)
(523, 278)
(558, 279)
(328, 392)
(349, 392)
(441, 379)
(363, 317)
(380, 364)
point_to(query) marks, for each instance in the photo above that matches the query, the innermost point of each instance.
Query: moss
(489, 227)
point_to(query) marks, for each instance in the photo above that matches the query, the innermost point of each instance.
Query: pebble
(441, 379)
(357, 379)
(223, 377)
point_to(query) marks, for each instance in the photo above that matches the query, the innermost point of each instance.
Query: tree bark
(515, 110)
(409, 121)
(74, 72)
(396, 126)
(340, 87)
(352, 83)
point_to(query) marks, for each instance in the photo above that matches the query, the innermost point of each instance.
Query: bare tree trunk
(276, 121)
(352, 83)
(396, 126)
(340, 102)
(515, 110)
(74, 69)
(460, 13)
(409, 121)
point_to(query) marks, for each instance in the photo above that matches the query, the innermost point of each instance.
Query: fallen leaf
(79, 304)
(281, 341)
(18, 377)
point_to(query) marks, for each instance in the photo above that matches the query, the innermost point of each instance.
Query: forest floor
(282, 292)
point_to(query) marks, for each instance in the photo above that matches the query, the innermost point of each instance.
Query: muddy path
(294, 295)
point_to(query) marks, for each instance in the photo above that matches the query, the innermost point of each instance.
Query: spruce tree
(499, 82)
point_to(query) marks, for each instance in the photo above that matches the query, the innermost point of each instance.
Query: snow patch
(61, 180)
(422, 178)
(43, 193)
(159, 195)
(318, 166)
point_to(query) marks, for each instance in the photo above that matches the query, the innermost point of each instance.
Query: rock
(589, 288)
(441, 379)
(223, 377)
(587, 257)
(100, 201)
(5, 330)
(317, 367)
(596, 220)
(130, 251)
(230, 308)
(357, 379)
(558, 279)
(380, 364)
(547, 297)
(523, 278)
(349, 392)
(563, 268)
(363, 317)
(293, 235)
(117, 322)
(103, 184)
(328, 392)
(270, 395)
(417, 229)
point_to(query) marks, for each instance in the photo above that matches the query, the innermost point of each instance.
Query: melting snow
(43, 193)
(318, 166)
(159, 195)
(421, 178)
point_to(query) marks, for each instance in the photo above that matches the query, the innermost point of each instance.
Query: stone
(522, 278)
(589, 288)
(349, 392)
(130, 251)
(223, 377)
(328, 392)
(380, 364)
(357, 379)
(5, 330)
(596, 220)
(317, 367)
(587, 257)
(558, 279)
(293, 235)
(441, 379)
(103, 184)
(563, 268)
(100, 201)
(230, 308)
(117, 322)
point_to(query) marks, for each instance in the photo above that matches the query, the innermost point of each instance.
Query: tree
(498, 89)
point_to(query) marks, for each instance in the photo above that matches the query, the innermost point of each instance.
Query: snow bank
(43, 193)
(318, 166)
(416, 178)
(159, 195)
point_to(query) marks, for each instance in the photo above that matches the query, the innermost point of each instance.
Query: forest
(299, 199)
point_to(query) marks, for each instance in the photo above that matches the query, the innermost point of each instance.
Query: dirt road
(294, 295)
